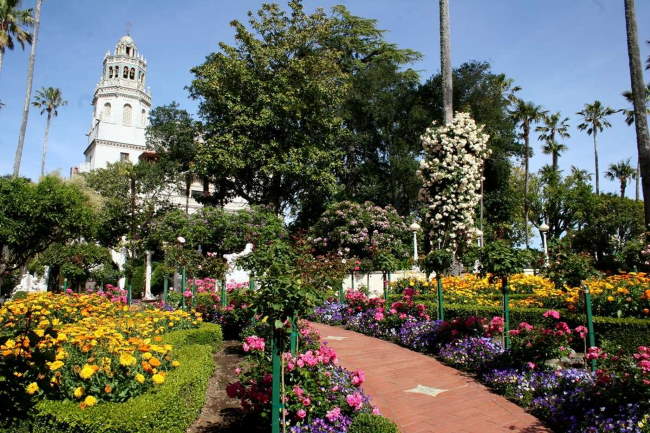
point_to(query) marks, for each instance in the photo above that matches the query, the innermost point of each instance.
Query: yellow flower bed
(85, 347)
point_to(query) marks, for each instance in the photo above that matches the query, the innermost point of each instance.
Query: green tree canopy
(35, 215)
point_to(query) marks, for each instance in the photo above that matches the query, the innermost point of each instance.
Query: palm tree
(629, 119)
(554, 126)
(594, 120)
(28, 91)
(445, 63)
(525, 114)
(622, 171)
(48, 99)
(629, 113)
(638, 92)
(13, 25)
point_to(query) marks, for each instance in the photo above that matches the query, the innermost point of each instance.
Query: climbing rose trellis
(451, 178)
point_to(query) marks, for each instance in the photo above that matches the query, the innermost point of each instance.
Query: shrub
(170, 407)
(368, 423)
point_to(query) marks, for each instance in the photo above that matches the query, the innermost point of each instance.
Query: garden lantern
(543, 229)
(415, 227)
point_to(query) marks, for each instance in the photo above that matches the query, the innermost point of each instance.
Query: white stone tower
(121, 105)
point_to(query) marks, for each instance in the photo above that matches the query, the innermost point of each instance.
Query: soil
(222, 414)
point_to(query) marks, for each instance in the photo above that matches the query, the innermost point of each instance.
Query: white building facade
(121, 105)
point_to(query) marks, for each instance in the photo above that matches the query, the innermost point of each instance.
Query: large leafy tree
(48, 99)
(379, 112)
(639, 103)
(526, 114)
(553, 128)
(595, 120)
(132, 197)
(14, 25)
(173, 135)
(35, 215)
(271, 106)
(621, 171)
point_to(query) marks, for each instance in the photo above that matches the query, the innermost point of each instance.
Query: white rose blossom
(451, 178)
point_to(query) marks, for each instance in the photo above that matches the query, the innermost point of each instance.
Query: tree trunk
(639, 100)
(2, 54)
(28, 91)
(637, 179)
(596, 162)
(188, 185)
(445, 62)
(47, 132)
(526, 147)
(556, 157)
(623, 186)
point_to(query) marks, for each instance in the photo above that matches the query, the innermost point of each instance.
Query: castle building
(121, 105)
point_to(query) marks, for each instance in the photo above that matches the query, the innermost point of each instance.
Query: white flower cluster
(451, 177)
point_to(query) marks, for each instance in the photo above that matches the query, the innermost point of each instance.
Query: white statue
(234, 273)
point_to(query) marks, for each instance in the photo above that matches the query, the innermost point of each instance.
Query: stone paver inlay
(426, 390)
(402, 383)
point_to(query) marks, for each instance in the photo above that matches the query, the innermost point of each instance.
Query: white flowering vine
(451, 174)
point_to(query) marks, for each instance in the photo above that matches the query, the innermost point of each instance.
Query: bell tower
(121, 105)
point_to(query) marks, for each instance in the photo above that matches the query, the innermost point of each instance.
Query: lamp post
(415, 227)
(181, 241)
(543, 229)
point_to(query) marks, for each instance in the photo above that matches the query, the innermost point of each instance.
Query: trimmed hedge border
(368, 423)
(170, 407)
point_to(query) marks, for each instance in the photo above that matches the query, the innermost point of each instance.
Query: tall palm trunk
(638, 98)
(555, 162)
(445, 63)
(596, 162)
(637, 179)
(527, 147)
(47, 133)
(28, 91)
(623, 186)
(2, 55)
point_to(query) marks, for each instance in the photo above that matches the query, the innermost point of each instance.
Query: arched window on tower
(125, 74)
(126, 115)
(110, 72)
(132, 74)
(143, 118)
(106, 112)
(117, 72)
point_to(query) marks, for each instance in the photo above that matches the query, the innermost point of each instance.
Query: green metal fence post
(275, 390)
(341, 293)
(165, 288)
(590, 324)
(129, 296)
(506, 313)
(224, 294)
(294, 336)
(251, 283)
(65, 284)
(441, 301)
(352, 278)
(385, 284)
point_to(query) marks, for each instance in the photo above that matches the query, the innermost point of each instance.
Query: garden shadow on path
(222, 414)
(422, 395)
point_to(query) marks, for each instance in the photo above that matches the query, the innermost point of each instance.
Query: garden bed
(170, 408)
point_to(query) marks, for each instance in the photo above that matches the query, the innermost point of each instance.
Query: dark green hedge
(368, 423)
(170, 407)
(629, 333)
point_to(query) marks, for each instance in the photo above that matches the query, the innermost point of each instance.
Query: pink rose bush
(317, 389)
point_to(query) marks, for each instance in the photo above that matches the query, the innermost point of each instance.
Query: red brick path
(465, 407)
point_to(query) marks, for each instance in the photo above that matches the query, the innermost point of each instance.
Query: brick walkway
(441, 399)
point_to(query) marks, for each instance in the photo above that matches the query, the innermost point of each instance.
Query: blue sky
(563, 53)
